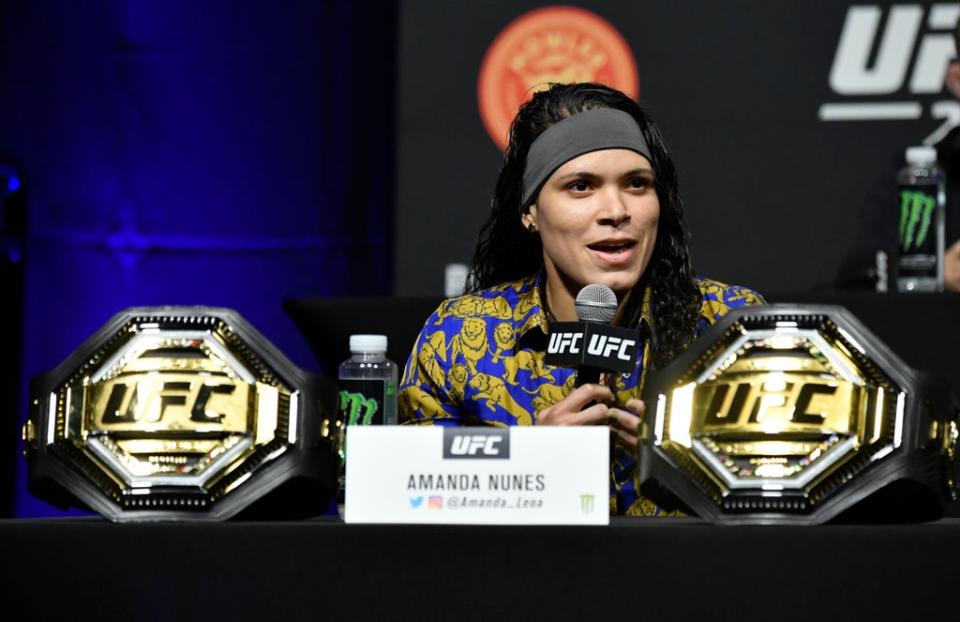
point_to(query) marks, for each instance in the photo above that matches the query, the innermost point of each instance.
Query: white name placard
(480, 475)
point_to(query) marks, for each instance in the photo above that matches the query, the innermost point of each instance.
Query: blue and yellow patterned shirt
(479, 361)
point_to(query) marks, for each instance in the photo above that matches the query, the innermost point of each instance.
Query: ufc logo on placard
(471, 445)
(476, 444)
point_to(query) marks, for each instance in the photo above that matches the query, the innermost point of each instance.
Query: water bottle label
(917, 240)
(361, 401)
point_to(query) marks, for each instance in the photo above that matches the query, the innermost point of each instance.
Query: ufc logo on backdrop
(852, 73)
(886, 58)
(476, 443)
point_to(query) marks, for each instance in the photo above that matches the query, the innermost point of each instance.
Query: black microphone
(592, 345)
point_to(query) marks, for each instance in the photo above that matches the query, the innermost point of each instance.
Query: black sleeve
(875, 229)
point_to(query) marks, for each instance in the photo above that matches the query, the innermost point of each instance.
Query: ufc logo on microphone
(476, 443)
(604, 346)
(564, 343)
(590, 344)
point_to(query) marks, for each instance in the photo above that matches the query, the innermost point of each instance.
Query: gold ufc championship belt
(793, 414)
(182, 413)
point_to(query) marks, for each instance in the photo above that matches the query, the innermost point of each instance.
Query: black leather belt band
(796, 414)
(182, 413)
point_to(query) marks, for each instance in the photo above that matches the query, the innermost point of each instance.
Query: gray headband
(591, 130)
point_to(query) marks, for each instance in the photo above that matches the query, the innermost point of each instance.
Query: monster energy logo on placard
(357, 408)
(586, 504)
(916, 214)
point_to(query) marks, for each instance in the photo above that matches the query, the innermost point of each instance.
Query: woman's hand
(624, 421)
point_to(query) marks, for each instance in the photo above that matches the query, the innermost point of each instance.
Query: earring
(532, 228)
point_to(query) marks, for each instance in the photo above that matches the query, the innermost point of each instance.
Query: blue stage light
(13, 184)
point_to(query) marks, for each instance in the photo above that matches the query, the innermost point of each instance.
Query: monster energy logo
(586, 504)
(916, 214)
(358, 408)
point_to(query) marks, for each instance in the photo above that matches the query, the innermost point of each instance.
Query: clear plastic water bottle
(922, 216)
(368, 391)
(368, 383)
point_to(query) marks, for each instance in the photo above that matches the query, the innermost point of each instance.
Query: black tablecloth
(635, 569)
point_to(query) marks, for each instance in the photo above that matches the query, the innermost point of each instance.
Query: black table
(635, 569)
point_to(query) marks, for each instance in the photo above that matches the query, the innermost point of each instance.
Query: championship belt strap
(795, 414)
(182, 413)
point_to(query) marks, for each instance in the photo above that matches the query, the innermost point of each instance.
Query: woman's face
(597, 217)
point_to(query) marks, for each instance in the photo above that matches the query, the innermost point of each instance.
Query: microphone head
(596, 303)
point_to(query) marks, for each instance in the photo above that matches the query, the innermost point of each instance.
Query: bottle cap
(921, 155)
(455, 279)
(368, 343)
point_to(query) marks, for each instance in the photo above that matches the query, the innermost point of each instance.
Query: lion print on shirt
(494, 392)
(457, 379)
(430, 355)
(505, 338)
(473, 306)
(470, 342)
(524, 359)
(548, 394)
(414, 399)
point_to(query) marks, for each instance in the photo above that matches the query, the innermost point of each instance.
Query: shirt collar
(531, 301)
(535, 316)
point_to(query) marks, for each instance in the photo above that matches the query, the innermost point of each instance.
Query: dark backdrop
(178, 152)
(240, 153)
(770, 188)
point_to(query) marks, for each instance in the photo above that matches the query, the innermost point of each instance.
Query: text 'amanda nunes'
(495, 482)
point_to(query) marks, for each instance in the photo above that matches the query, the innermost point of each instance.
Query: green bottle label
(361, 401)
(917, 241)
(917, 209)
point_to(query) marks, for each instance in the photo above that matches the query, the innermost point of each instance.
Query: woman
(587, 194)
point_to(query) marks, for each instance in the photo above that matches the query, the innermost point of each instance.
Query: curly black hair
(506, 251)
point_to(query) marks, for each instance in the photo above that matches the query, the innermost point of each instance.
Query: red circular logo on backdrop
(553, 44)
